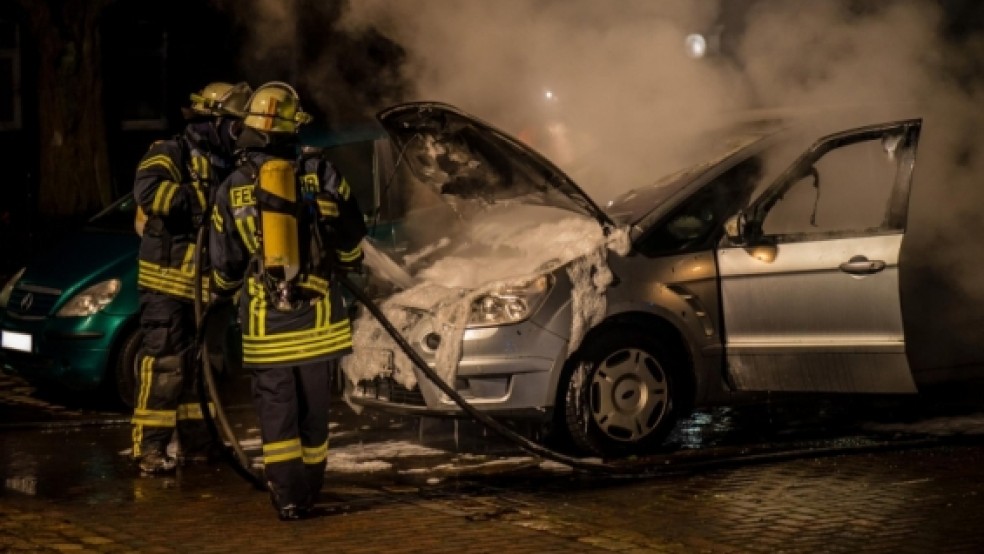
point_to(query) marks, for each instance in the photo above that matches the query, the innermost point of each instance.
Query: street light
(702, 45)
(696, 45)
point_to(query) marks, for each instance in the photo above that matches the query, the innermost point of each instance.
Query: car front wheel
(619, 395)
(122, 380)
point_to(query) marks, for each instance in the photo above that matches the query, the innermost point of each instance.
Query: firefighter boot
(157, 462)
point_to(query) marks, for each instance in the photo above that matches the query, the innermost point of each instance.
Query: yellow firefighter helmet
(220, 99)
(275, 107)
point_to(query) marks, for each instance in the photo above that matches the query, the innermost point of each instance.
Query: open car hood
(461, 156)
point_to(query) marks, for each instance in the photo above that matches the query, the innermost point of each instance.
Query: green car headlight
(9, 287)
(91, 300)
(510, 304)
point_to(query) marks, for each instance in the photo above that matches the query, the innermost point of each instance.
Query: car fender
(670, 315)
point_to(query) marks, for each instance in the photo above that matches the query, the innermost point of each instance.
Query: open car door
(810, 282)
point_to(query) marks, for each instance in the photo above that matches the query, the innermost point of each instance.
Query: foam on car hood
(507, 245)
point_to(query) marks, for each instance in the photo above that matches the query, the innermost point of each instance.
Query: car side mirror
(748, 234)
(742, 231)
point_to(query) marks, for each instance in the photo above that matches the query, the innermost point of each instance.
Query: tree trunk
(74, 168)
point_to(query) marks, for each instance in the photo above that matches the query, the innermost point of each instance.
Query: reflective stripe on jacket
(172, 188)
(316, 327)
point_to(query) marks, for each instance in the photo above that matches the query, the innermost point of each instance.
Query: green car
(69, 320)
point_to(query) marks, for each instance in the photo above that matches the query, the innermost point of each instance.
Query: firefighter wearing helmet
(283, 223)
(174, 183)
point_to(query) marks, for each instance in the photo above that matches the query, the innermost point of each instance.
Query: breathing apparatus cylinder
(281, 254)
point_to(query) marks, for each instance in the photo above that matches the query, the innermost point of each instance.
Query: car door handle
(859, 265)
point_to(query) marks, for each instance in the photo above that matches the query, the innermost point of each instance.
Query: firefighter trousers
(166, 392)
(292, 405)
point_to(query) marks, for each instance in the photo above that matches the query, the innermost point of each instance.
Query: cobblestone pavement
(71, 488)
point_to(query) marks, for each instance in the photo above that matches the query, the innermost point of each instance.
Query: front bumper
(72, 353)
(508, 371)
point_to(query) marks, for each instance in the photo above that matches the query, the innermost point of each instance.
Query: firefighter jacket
(172, 188)
(330, 227)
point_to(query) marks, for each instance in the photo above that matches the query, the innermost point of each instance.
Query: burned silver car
(772, 265)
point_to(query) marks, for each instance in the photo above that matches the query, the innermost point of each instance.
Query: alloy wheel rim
(628, 395)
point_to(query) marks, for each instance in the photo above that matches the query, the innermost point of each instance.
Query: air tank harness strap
(268, 201)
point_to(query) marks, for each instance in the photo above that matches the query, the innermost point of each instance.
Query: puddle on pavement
(79, 461)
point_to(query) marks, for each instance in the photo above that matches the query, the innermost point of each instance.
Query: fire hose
(234, 455)
(488, 421)
(208, 393)
(221, 430)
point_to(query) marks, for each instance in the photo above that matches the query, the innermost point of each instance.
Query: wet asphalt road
(762, 464)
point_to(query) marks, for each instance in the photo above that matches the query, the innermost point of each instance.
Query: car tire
(122, 380)
(620, 394)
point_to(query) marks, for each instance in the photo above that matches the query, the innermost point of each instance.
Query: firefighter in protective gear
(173, 185)
(282, 223)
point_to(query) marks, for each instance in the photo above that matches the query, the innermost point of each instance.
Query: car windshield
(118, 217)
(630, 207)
(624, 209)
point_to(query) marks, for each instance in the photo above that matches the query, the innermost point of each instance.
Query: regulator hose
(218, 425)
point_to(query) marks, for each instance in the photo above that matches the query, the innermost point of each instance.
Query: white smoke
(624, 91)
(826, 54)
(628, 104)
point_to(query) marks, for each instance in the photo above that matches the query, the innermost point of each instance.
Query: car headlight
(91, 300)
(9, 287)
(510, 304)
